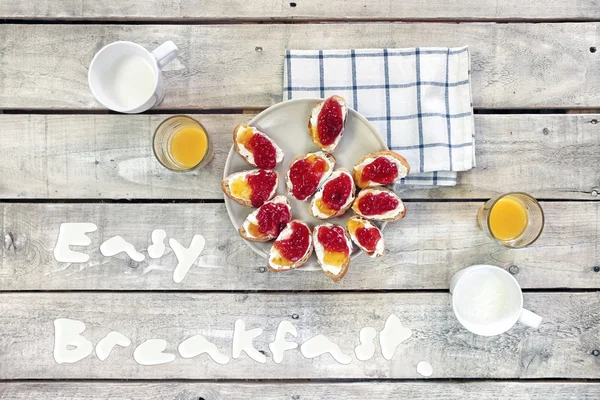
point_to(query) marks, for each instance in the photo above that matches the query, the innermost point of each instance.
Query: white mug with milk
(127, 78)
(488, 301)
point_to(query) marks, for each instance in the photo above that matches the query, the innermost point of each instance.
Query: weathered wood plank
(305, 391)
(110, 156)
(241, 65)
(562, 347)
(305, 9)
(424, 250)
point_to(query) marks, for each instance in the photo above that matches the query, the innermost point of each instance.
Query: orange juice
(508, 218)
(188, 146)
(180, 143)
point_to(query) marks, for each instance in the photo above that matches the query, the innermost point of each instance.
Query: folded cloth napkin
(419, 99)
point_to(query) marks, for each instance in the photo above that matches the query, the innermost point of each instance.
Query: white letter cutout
(157, 248)
(392, 335)
(67, 332)
(319, 345)
(73, 234)
(242, 341)
(186, 257)
(151, 353)
(117, 244)
(366, 349)
(280, 345)
(196, 345)
(108, 342)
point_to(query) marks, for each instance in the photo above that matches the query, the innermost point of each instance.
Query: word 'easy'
(75, 234)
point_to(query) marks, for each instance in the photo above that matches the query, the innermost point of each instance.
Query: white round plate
(287, 124)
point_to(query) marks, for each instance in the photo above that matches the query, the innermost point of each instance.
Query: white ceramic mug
(127, 78)
(488, 301)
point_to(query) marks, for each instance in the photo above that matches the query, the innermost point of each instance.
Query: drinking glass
(514, 219)
(181, 144)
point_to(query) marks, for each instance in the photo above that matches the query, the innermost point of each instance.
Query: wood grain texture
(304, 391)
(562, 346)
(241, 65)
(424, 250)
(110, 156)
(305, 9)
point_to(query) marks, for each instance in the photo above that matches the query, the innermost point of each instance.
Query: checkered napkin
(419, 99)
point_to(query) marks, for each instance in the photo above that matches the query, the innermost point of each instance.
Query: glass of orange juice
(182, 144)
(514, 219)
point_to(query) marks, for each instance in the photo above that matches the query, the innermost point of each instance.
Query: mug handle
(530, 319)
(165, 53)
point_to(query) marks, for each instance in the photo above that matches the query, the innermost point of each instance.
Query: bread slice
(398, 213)
(246, 154)
(329, 159)
(274, 253)
(314, 120)
(226, 186)
(357, 170)
(359, 222)
(245, 229)
(335, 273)
(314, 210)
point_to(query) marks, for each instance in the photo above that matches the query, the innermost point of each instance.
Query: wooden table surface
(64, 158)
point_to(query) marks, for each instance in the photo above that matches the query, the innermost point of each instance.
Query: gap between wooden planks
(110, 157)
(286, 10)
(97, 390)
(424, 250)
(542, 65)
(561, 348)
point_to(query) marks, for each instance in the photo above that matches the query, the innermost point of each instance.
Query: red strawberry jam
(381, 170)
(261, 183)
(265, 154)
(337, 191)
(333, 239)
(377, 203)
(368, 237)
(330, 121)
(305, 176)
(294, 247)
(272, 218)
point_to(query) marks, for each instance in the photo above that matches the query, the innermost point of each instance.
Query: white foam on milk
(131, 81)
(107, 343)
(482, 297)
(319, 345)
(116, 245)
(197, 344)
(392, 335)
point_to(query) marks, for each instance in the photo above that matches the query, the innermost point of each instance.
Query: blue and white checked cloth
(419, 99)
